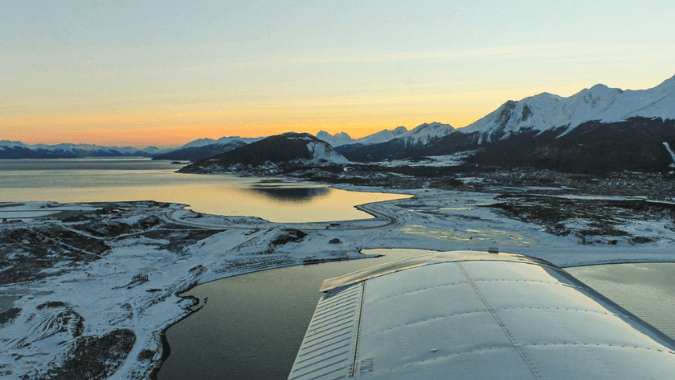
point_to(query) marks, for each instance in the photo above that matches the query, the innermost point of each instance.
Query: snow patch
(672, 155)
(323, 153)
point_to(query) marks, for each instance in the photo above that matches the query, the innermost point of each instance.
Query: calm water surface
(646, 290)
(134, 179)
(252, 325)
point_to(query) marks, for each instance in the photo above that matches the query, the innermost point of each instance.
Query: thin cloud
(521, 51)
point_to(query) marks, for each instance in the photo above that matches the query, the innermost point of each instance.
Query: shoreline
(166, 347)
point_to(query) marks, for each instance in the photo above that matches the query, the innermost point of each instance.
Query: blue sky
(167, 72)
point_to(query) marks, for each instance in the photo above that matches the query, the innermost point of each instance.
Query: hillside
(288, 148)
(636, 144)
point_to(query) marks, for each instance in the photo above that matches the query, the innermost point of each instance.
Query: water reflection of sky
(646, 289)
(142, 180)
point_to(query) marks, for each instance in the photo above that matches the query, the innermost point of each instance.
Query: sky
(163, 73)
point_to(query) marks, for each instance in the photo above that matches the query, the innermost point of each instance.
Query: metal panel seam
(358, 329)
(526, 360)
(484, 311)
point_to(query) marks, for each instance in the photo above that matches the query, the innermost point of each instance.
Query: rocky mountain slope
(636, 144)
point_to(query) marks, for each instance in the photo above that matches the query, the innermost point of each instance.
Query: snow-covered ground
(82, 297)
(455, 159)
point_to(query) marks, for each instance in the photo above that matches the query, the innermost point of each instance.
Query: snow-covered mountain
(599, 129)
(193, 150)
(341, 138)
(599, 103)
(204, 148)
(337, 139)
(403, 145)
(221, 141)
(16, 149)
(382, 136)
(425, 133)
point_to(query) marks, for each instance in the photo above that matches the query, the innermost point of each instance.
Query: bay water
(141, 179)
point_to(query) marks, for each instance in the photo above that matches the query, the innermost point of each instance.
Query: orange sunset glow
(108, 74)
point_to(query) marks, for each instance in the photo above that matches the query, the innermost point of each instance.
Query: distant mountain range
(399, 146)
(597, 129)
(204, 148)
(342, 138)
(15, 149)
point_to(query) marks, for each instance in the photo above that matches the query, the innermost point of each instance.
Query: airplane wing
(475, 315)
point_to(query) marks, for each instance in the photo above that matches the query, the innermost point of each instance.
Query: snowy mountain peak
(424, 133)
(668, 83)
(600, 103)
(337, 139)
(399, 130)
(221, 141)
(341, 138)
(382, 136)
(600, 87)
(595, 94)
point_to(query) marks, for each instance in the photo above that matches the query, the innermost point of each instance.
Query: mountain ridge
(17, 149)
(601, 103)
(398, 147)
(642, 117)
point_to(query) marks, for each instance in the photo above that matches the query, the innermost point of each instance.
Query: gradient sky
(164, 73)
